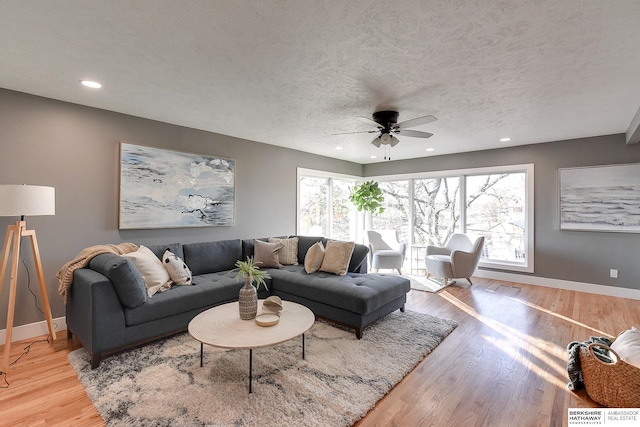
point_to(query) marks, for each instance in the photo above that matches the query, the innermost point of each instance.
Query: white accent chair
(457, 259)
(385, 250)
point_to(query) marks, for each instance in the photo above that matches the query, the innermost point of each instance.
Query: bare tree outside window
(496, 210)
(437, 210)
(396, 209)
(343, 224)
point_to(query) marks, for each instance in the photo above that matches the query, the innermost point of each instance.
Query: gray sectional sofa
(107, 308)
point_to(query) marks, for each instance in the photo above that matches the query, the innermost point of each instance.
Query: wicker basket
(615, 385)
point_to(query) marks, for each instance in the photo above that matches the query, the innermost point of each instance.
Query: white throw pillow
(155, 276)
(178, 271)
(627, 345)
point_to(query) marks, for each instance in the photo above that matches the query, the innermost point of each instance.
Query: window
(324, 208)
(496, 203)
(313, 215)
(397, 209)
(436, 204)
(496, 210)
(426, 208)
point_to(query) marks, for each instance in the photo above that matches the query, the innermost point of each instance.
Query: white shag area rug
(341, 379)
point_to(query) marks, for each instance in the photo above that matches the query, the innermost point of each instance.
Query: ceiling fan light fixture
(393, 141)
(377, 142)
(385, 138)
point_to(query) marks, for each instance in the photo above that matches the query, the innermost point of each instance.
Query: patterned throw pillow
(288, 255)
(313, 258)
(337, 256)
(177, 269)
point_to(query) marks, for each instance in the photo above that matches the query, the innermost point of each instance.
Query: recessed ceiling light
(338, 148)
(505, 139)
(91, 84)
(430, 149)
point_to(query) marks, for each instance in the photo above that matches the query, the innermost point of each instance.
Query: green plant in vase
(368, 197)
(248, 297)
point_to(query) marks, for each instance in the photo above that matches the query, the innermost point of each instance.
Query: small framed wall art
(162, 188)
(600, 198)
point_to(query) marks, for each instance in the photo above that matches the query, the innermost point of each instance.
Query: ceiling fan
(387, 126)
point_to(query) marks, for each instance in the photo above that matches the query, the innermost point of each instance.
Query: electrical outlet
(613, 273)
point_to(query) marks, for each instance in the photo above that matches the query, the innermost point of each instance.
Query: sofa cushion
(314, 257)
(124, 276)
(177, 269)
(288, 255)
(159, 250)
(207, 290)
(267, 254)
(247, 247)
(357, 293)
(358, 257)
(304, 243)
(337, 256)
(155, 276)
(211, 257)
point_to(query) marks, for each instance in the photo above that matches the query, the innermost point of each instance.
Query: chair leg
(469, 280)
(400, 271)
(446, 280)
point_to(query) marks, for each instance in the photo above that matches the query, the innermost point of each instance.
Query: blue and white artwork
(165, 188)
(602, 198)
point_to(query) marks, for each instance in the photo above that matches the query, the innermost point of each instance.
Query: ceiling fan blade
(418, 121)
(361, 131)
(369, 121)
(414, 133)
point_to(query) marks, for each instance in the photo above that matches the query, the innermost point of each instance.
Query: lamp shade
(27, 200)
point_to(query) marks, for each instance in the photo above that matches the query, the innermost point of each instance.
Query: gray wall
(559, 254)
(76, 150)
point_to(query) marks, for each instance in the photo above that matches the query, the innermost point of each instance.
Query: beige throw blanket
(65, 274)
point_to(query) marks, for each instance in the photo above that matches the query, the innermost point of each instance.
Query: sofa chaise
(108, 311)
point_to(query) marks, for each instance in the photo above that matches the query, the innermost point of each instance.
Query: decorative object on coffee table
(248, 297)
(272, 305)
(267, 319)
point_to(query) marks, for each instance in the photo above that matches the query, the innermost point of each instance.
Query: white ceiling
(292, 72)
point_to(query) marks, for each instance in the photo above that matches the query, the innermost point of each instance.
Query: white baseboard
(561, 284)
(24, 332)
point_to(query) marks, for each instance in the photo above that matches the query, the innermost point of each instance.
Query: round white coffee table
(222, 327)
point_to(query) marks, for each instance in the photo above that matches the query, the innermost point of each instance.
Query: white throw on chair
(385, 250)
(457, 259)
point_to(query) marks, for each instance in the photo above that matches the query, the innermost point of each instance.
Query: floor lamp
(23, 200)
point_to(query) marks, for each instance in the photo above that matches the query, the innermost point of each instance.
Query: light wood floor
(505, 364)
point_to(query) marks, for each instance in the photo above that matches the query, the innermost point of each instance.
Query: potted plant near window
(368, 197)
(248, 298)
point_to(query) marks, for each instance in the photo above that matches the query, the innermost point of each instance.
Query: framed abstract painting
(162, 188)
(600, 198)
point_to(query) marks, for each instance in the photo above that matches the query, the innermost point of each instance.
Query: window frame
(527, 266)
(300, 172)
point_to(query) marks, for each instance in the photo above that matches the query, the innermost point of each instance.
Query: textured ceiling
(292, 72)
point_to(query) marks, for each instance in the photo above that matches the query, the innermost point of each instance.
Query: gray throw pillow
(124, 276)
